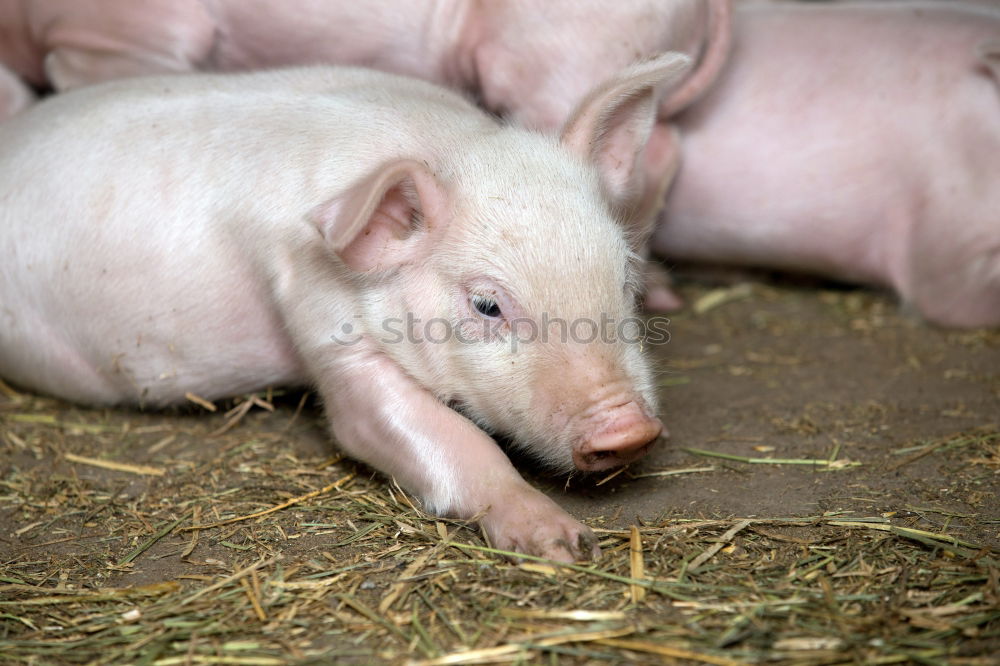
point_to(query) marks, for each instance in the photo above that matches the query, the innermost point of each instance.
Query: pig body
(856, 140)
(532, 58)
(220, 234)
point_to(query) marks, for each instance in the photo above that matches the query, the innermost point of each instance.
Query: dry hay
(233, 538)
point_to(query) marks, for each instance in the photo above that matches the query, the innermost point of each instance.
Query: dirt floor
(872, 536)
(802, 372)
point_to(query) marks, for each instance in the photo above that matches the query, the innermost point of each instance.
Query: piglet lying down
(374, 235)
(856, 140)
(531, 59)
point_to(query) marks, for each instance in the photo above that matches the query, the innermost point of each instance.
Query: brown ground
(808, 371)
(778, 370)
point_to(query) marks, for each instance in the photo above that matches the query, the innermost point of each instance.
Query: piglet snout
(625, 436)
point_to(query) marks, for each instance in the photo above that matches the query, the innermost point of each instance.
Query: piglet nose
(626, 438)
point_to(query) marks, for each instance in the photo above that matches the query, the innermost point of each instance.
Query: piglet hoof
(526, 521)
(658, 296)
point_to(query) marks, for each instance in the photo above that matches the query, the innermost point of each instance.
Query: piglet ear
(612, 125)
(713, 39)
(384, 220)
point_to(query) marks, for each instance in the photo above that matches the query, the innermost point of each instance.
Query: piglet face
(515, 304)
(502, 276)
(550, 343)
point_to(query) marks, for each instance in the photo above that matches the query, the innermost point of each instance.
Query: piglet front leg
(382, 416)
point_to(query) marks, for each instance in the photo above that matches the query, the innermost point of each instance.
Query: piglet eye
(486, 306)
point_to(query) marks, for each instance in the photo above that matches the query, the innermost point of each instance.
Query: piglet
(856, 140)
(532, 59)
(436, 274)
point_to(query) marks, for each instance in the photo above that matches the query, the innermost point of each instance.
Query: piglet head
(534, 60)
(503, 275)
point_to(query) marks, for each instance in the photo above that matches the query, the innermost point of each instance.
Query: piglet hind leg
(383, 417)
(661, 159)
